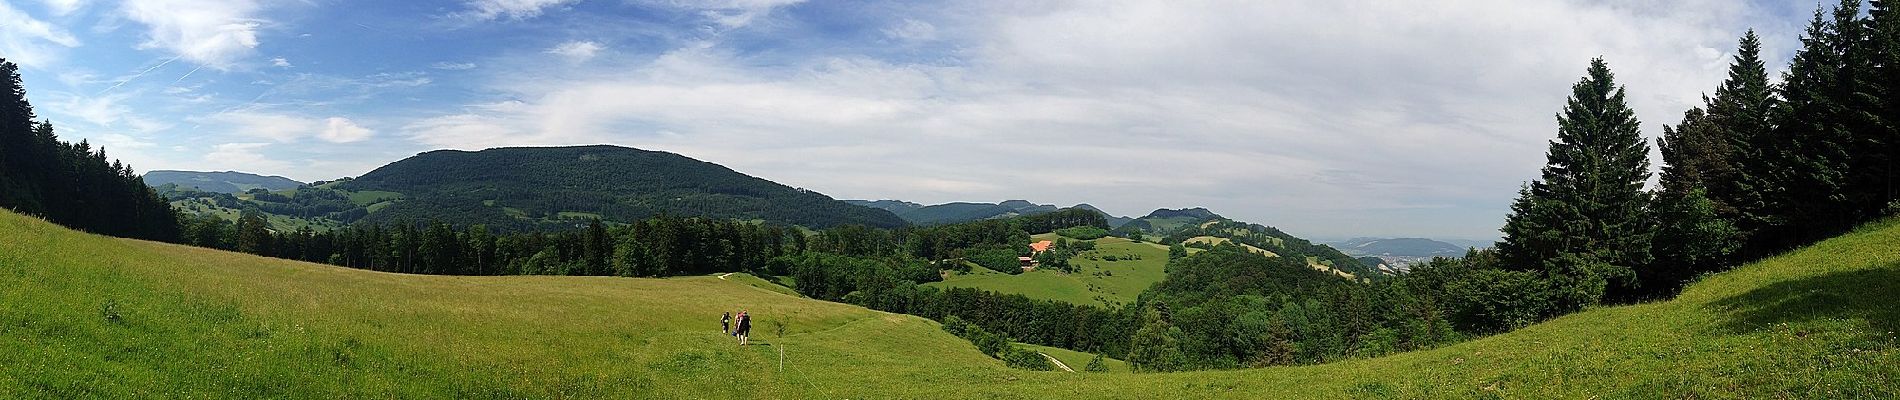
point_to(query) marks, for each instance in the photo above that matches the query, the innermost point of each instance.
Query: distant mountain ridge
(1404, 247)
(517, 186)
(219, 181)
(960, 212)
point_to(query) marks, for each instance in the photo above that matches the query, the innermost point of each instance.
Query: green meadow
(1114, 273)
(95, 317)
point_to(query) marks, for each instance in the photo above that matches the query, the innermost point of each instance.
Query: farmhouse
(1029, 262)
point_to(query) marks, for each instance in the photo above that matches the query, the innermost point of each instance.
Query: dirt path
(1059, 364)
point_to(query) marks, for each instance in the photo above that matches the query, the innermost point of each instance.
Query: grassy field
(1219, 240)
(95, 317)
(1097, 280)
(368, 197)
(277, 222)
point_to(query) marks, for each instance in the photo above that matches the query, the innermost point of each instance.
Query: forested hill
(219, 182)
(506, 186)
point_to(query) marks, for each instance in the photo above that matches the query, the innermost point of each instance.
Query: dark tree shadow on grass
(1869, 295)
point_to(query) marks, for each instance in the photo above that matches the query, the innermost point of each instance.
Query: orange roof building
(1041, 246)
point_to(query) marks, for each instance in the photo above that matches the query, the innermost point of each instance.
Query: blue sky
(1329, 119)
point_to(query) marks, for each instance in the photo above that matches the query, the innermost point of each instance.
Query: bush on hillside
(1083, 232)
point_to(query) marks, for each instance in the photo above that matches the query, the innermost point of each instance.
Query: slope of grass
(754, 281)
(1076, 359)
(1097, 280)
(89, 316)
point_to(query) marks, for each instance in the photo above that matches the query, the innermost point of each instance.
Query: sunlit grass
(88, 316)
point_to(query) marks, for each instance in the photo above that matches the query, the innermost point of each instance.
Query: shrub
(1096, 365)
(1083, 233)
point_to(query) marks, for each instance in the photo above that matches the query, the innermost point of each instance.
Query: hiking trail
(1059, 364)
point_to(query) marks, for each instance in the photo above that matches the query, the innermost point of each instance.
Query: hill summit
(517, 185)
(219, 182)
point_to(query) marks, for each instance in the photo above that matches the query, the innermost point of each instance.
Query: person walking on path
(725, 323)
(745, 327)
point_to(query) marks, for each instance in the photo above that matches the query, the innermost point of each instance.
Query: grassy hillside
(1114, 273)
(89, 316)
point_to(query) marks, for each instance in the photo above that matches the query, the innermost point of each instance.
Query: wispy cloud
(280, 62)
(64, 7)
(245, 155)
(912, 30)
(215, 33)
(25, 40)
(577, 51)
(284, 128)
(452, 66)
(729, 14)
(489, 10)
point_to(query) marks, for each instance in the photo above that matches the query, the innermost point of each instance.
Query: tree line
(663, 246)
(1758, 169)
(71, 184)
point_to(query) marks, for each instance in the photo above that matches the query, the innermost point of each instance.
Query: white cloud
(449, 66)
(1322, 117)
(342, 130)
(577, 51)
(24, 40)
(284, 128)
(245, 157)
(276, 127)
(488, 10)
(105, 112)
(214, 33)
(63, 7)
(912, 30)
(280, 62)
(122, 141)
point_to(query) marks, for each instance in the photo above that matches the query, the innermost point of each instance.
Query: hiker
(725, 323)
(745, 327)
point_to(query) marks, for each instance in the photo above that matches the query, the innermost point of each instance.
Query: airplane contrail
(187, 75)
(141, 73)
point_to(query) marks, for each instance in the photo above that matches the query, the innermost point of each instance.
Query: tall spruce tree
(1582, 223)
(1807, 155)
(19, 151)
(1712, 175)
(1880, 162)
(1739, 115)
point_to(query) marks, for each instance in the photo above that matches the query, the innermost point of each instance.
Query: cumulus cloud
(489, 10)
(213, 33)
(29, 41)
(280, 62)
(342, 130)
(1322, 117)
(577, 51)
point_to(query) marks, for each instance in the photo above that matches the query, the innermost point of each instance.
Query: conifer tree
(1692, 236)
(1738, 115)
(1807, 154)
(1880, 145)
(1582, 223)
